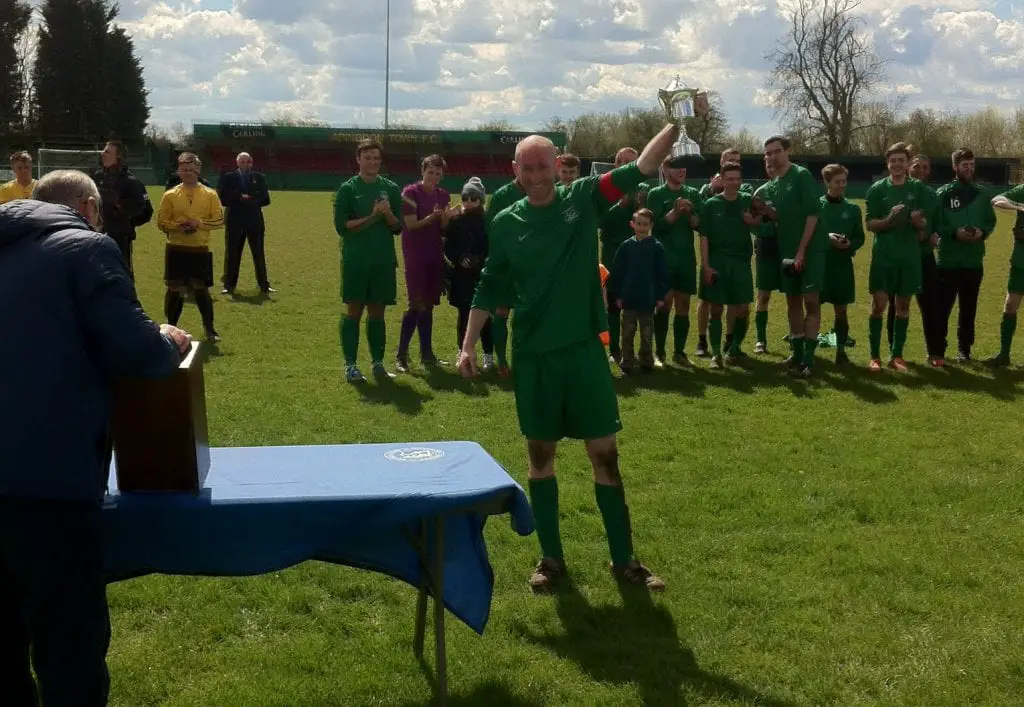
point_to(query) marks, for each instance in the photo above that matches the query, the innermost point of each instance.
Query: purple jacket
(423, 244)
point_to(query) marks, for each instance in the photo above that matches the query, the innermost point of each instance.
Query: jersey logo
(525, 236)
(846, 216)
(384, 195)
(570, 214)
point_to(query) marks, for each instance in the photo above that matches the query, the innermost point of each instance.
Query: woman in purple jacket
(425, 214)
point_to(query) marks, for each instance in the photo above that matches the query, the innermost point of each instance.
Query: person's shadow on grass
(636, 643)
(492, 694)
(387, 391)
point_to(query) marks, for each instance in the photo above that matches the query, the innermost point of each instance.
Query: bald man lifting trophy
(680, 102)
(244, 193)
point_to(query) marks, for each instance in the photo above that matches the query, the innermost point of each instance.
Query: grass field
(847, 540)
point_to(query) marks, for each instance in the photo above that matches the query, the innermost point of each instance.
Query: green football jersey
(795, 196)
(614, 224)
(504, 197)
(721, 222)
(963, 205)
(898, 244)
(1016, 195)
(705, 190)
(374, 242)
(549, 254)
(845, 218)
(678, 237)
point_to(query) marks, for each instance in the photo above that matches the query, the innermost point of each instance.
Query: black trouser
(52, 599)
(125, 244)
(486, 340)
(961, 284)
(238, 232)
(927, 304)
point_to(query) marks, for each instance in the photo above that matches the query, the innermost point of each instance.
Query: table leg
(421, 601)
(439, 636)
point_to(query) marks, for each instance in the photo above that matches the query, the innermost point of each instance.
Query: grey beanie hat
(474, 187)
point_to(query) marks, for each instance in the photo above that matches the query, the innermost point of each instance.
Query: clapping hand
(917, 219)
(683, 206)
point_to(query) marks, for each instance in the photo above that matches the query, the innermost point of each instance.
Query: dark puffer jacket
(71, 323)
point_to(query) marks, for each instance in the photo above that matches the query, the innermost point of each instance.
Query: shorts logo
(413, 454)
(570, 214)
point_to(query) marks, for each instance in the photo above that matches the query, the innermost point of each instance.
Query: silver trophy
(681, 102)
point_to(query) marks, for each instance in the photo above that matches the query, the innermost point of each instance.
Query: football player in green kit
(676, 208)
(615, 229)
(500, 200)
(726, 249)
(796, 199)
(1013, 200)
(896, 215)
(843, 223)
(713, 188)
(366, 216)
(767, 264)
(563, 385)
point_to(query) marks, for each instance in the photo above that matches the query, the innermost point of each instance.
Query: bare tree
(744, 141)
(497, 126)
(288, 117)
(821, 69)
(25, 51)
(878, 126)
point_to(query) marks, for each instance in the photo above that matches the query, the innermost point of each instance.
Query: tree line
(66, 70)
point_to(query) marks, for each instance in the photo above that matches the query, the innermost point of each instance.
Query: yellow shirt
(180, 204)
(12, 191)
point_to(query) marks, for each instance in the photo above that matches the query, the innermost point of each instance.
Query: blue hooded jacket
(70, 323)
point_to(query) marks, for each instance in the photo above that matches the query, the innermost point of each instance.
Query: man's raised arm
(657, 150)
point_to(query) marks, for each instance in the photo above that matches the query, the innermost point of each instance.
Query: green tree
(127, 97)
(14, 19)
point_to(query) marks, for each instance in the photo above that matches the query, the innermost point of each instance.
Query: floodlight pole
(387, 66)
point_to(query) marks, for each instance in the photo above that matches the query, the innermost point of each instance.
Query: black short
(188, 266)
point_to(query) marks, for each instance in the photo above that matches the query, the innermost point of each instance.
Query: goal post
(84, 160)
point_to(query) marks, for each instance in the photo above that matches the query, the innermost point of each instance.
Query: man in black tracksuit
(244, 193)
(126, 204)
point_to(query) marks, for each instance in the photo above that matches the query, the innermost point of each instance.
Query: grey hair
(66, 186)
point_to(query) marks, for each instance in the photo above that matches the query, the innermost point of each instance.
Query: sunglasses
(467, 197)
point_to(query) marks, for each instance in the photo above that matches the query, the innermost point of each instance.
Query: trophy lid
(675, 85)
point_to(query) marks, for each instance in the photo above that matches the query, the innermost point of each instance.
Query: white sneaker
(488, 362)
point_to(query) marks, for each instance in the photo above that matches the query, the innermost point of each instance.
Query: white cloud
(462, 62)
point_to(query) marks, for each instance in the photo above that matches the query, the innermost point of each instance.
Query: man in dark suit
(244, 193)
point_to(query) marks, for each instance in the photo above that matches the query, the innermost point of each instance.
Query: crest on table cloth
(413, 454)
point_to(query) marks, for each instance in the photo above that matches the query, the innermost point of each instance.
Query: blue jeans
(53, 604)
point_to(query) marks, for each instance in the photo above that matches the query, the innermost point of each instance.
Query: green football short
(807, 281)
(567, 392)
(683, 278)
(735, 284)
(369, 284)
(1015, 283)
(899, 279)
(840, 284)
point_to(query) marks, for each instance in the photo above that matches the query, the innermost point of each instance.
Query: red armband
(608, 189)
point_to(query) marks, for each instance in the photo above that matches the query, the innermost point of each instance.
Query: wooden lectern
(159, 430)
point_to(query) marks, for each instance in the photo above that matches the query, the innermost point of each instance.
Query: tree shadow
(387, 391)
(635, 643)
(491, 693)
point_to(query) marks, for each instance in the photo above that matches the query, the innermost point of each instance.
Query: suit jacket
(232, 186)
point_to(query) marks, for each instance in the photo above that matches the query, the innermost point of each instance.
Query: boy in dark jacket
(639, 276)
(465, 247)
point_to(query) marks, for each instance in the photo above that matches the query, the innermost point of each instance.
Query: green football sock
(899, 336)
(680, 330)
(376, 337)
(544, 500)
(842, 334)
(739, 330)
(611, 500)
(761, 324)
(660, 331)
(809, 347)
(875, 336)
(349, 332)
(798, 347)
(1006, 329)
(614, 324)
(715, 334)
(499, 332)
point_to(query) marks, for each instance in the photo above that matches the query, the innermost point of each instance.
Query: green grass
(848, 540)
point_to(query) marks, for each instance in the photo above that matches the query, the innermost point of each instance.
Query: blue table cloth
(267, 508)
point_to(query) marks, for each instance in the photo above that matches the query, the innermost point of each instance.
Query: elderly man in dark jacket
(244, 193)
(74, 324)
(126, 204)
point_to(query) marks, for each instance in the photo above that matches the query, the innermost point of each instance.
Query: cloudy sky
(456, 63)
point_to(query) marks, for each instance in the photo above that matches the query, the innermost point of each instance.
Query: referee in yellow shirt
(22, 185)
(188, 212)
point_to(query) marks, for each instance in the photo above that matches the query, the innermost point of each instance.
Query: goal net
(83, 160)
(6, 175)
